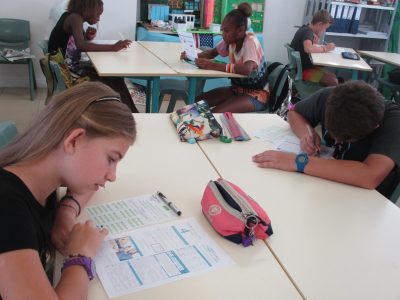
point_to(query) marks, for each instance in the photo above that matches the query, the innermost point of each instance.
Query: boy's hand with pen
(329, 47)
(310, 143)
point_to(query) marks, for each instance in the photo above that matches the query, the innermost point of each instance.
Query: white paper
(156, 255)
(127, 214)
(289, 143)
(188, 44)
(104, 42)
(13, 55)
(272, 133)
(326, 152)
(339, 50)
(283, 139)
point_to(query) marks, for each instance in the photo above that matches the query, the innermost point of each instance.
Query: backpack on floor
(278, 79)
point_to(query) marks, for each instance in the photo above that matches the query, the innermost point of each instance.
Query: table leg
(155, 95)
(192, 89)
(354, 74)
(148, 92)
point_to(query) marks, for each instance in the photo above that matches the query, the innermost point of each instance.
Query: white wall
(280, 17)
(120, 16)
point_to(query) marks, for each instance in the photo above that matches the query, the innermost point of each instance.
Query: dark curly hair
(83, 7)
(353, 110)
(239, 15)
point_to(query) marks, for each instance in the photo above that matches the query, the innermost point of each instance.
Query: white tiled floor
(15, 105)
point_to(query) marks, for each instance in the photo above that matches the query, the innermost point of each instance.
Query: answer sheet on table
(155, 255)
(127, 214)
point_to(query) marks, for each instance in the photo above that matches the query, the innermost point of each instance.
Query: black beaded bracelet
(70, 197)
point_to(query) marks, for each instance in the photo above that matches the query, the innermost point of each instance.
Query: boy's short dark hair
(322, 16)
(353, 110)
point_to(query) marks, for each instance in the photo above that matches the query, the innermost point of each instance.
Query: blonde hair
(92, 106)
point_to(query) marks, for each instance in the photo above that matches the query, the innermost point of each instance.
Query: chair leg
(160, 100)
(171, 104)
(32, 80)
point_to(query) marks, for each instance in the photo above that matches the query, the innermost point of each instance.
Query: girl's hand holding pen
(204, 63)
(183, 55)
(123, 44)
(85, 239)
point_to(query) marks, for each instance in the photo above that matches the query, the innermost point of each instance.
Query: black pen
(169, 203)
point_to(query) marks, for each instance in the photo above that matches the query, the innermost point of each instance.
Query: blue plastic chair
(8, 131)
(44, 45)
(396, 194)
(15, 34)
(59, 84)
(304, 88)
(394, 89)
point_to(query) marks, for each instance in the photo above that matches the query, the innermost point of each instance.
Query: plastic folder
(356, 21)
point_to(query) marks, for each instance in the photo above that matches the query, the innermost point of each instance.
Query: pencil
(309, 130)
(312, 137)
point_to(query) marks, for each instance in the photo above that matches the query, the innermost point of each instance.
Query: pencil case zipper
(245, 208)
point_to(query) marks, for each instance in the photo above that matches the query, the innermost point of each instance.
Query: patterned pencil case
(234, 214)
(195, 122)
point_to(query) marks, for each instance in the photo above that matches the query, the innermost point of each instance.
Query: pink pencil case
(234, 214)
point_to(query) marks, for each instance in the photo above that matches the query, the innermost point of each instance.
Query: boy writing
(306, 41)
(359, 124)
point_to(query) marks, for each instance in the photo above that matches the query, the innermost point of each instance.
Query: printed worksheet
(155, 255)
(127, 214)
(188, 44)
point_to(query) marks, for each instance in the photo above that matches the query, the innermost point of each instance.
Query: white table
(159, 161)
(151, 60)
(169, 53)
(336, 241)
(334, 59)
(136, 61)
(386, 57)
